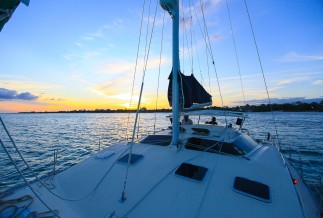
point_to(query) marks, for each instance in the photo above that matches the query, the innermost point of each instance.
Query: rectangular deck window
(134, 158)
(252, 189)
(162, 140)
(191, 171)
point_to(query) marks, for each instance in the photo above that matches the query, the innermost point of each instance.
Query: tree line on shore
(288, 107)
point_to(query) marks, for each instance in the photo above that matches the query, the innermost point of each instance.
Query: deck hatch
(201, 131)
(252, 189)
(134, 158)
(162, 140)
(191, 171)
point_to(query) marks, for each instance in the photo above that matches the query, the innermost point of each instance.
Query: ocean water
(76, 136)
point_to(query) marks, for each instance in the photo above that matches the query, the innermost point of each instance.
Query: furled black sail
(191, 92)
(7, 7)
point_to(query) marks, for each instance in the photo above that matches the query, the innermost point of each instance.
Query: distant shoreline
(89, 112)
(294, 107)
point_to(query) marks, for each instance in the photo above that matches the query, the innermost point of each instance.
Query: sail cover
(7, 7)
(191, 92)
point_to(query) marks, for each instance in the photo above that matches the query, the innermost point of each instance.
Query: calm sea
(77, 136)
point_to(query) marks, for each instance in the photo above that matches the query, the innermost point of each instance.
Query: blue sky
(65, 55)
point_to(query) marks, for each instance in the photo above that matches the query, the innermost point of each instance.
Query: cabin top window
(252, 189)
(241, 146)
(133, 159)
(245, 144)
(162, 140)
(191, 171)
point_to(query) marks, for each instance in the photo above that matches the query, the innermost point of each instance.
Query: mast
(176, 69)
(172, 7)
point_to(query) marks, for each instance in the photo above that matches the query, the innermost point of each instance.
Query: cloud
(215, 38)
(68, 56)
(117, 91)
(54, 99)
(87, 38)
(127, 67)
(7, 94)
(79, 78)
(78, 44)
(23, 84)
(296, 79)
(100, 31)
(158, 20)
(26, 96)
(210, 7)
(90, 54)
(284, 83)
(294, 57)
(113, 87)
(318, 82)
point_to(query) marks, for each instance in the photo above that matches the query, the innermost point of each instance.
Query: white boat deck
(154, 190)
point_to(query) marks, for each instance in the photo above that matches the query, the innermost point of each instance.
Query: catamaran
(188, 170)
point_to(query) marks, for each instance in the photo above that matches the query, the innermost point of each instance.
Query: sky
(73, 55)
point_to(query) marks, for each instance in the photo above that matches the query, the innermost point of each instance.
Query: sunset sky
(67, 55)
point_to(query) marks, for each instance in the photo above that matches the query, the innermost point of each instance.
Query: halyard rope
(137, 57)
(138, 107)
(262, 71)
(160, 56)
(24, 178)
(211, 54)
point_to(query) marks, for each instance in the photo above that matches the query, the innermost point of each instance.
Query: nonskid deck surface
(93, 188)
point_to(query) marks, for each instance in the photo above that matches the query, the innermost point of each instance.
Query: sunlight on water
(77, 136)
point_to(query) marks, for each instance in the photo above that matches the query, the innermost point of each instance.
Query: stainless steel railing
(309, 174)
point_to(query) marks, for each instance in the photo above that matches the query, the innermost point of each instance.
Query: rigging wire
(160, 56)
(137, 57)
(237, 58)
(185, 39)
(189, 51)
(196, 50)
(236, 53)
(22, 175)
(181, 66)
(210, 49)
(188, 160)
(123, 198)
(138, 129)
(208, 69)
(206, 48)
(145, 57)
(191, 29)
(183, 48)
(262, 72)
(42, 183)
(66, 199)
(212, 57)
